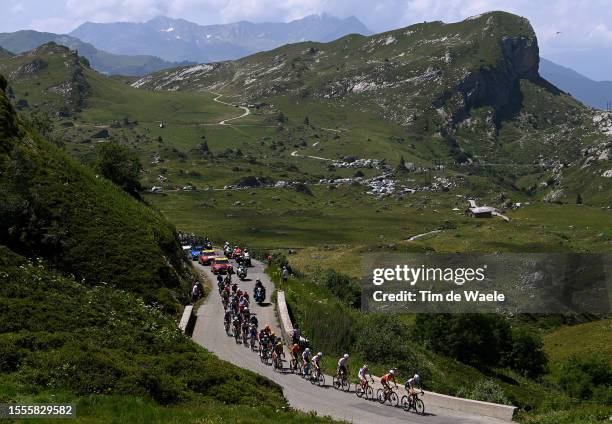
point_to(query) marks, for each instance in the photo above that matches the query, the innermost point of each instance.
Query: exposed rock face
(498, 86)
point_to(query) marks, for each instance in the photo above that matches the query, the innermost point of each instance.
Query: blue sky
(575, 33)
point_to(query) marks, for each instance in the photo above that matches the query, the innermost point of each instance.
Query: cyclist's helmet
(365, 366)
(279, 343)
(320, 354)
(346, 356)
(417, 377)
(392, 372)
(273, 334)
(295, 345)
(307, 350)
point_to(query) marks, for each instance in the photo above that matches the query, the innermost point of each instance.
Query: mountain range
(137, 49)
(178, 39)
(102, 61)
(589, 92)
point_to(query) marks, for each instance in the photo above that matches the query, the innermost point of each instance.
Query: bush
(586, 378)
(120, 165)
(479, 340)
(382, 338)
(526, 355)
(345, 288)
(485, 390)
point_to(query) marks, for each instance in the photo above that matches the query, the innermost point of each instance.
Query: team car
(194, 252)
(221, 265)
(206, 257)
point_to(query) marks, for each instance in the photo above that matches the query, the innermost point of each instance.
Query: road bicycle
(317, 377)
(340, 382)
(412, 401)
(384, 395)
(265, 356)
(295, 366)
(278, 364)
(364, 391)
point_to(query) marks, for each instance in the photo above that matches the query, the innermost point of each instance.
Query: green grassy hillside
(54, 208)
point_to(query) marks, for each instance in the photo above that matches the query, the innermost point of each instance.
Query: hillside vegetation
(53, 207)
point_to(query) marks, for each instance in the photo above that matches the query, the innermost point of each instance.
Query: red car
(221, 265)
(206, 257)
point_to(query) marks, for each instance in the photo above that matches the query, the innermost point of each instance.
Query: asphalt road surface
(302, 395)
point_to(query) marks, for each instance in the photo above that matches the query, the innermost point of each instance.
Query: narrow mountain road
(302, 395)
(244, 108)
(295, 154)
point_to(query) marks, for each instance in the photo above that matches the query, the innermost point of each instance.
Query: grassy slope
(115, 357)
(53, 207)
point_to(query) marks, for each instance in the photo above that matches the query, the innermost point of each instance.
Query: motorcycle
(242, 272)
(246, 259)
(260, 295)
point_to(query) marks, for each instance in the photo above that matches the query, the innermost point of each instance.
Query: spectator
(195, 292)
(285, 274)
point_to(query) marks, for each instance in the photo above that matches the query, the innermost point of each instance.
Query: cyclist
(412, 382)
(295, 353)
(306, 358)
(363, 371)
(253, 320)
(316, 362)
(236, 325)
(385, 379)
(277, 352)
(342, 371)
(227, 317)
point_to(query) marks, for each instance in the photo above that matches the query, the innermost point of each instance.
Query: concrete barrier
(431, 399)
(186, 318)
(286, 326)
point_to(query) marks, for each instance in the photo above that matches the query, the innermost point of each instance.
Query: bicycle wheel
(369, 393)
(359, 391)
(346, 385)
(321, 380)
(393, 399)
(419, 407)
(405, 403)
(335, 382)
(380, 395)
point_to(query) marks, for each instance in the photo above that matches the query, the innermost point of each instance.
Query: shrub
(382, 338)
(479, 340)
(485, 390)
(586, 378)
(345, 288)
(526, 355)
(120, 165)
